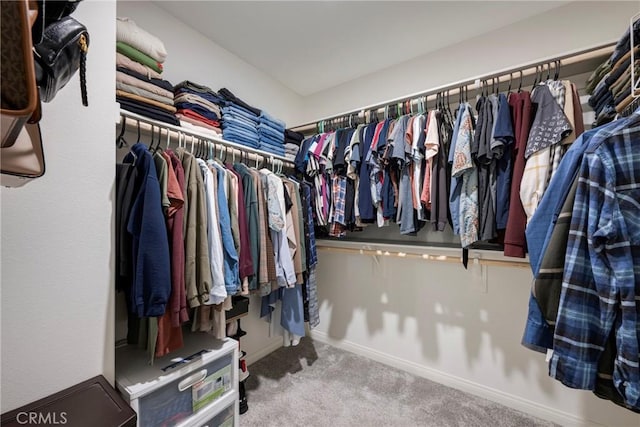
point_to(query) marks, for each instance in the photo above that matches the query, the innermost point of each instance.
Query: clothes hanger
(120, 141)
(510, 81)
(159, 142)
(548, 71)
(535, 80)
(153, 128)
(138, 141)
(196, 147)
(193, 141)
(557, 74)
(520, 84)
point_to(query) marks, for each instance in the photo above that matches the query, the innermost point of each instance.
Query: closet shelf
(176, 133)
(426, 253)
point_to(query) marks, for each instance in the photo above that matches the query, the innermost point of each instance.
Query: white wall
(192, 56)
(57, 267)
(575, 26)
(432, 319)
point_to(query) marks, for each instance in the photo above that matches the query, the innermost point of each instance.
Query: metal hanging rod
(423, 256)
(600, 52)
(132, 119)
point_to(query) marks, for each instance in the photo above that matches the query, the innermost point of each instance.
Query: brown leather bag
(21, 154)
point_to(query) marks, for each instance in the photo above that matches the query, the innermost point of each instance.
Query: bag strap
(83, 69)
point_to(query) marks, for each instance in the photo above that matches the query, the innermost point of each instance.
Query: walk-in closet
(315, 213)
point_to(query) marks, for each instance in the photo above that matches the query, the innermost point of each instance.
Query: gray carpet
(315, 384)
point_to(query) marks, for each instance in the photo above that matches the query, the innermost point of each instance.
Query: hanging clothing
(549, 127)
(151, 285)
(170, 324)
(441, 176)
(456, 181)
(502, 142)
(464, 167)
(198, 274)
(601, 287)
(245, 268)
(514, 240)
(250, 201)
(218, 291)
(230, 256)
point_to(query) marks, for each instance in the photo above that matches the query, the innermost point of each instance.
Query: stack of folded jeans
(240, 125)
(198, 106)
(271, 132)
(292, 141)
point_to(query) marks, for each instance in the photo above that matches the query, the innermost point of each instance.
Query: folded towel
(136, 55)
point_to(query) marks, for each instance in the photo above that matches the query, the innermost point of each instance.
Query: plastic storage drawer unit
(173, 390)
(225, 418)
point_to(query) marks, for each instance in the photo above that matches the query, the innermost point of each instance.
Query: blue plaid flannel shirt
(601, 283)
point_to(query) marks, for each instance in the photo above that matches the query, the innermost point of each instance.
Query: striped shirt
(601, 282)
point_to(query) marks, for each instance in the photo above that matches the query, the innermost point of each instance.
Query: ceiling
(310, 46)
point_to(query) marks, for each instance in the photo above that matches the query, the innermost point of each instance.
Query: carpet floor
(315, 384)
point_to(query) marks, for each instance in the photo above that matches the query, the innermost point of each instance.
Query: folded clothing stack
(198, 107)
(139, 84)
(240, 125)
(610, 84)
(271, 132)
(292, 141)
(239, 120)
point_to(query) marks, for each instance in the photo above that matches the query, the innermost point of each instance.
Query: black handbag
(60, 53)
(50, 11)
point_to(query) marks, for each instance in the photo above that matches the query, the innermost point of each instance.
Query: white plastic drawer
(225, 418)
(179, 399)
